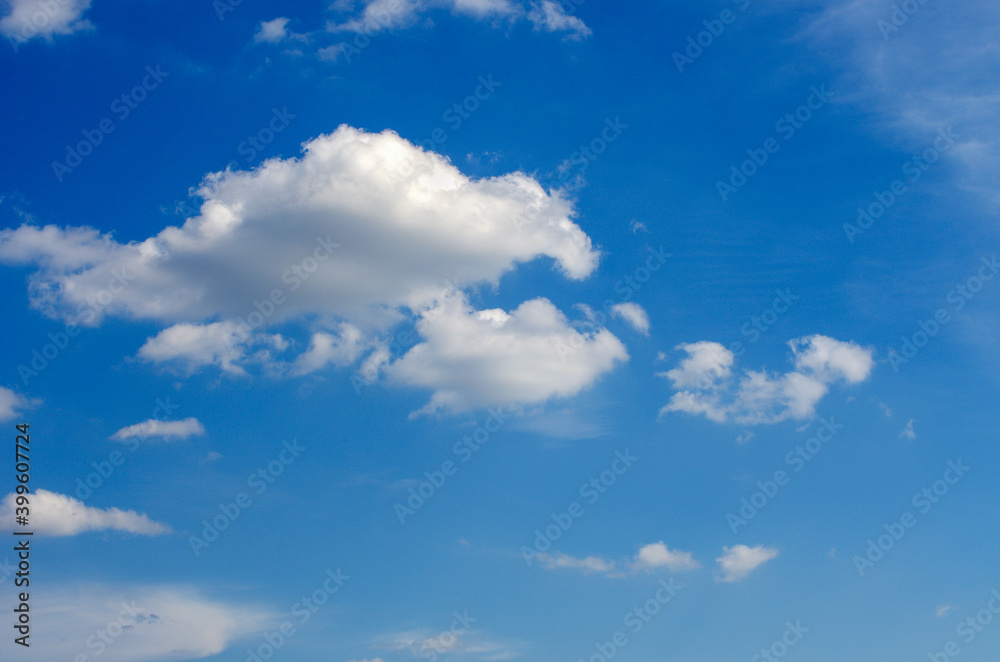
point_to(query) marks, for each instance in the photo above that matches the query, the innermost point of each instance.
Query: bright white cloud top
(738, 561)
(54, 514)
(361, 231)
(634, 314)
(706, 385)
(166, 430)
(657, 554)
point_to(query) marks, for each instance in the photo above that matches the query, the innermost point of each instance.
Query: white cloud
(165, 430)
(634, 314)
(485, 358)
(326, 348)
(943, 610)
(459, 639)
(908, 432)
(755, 398)
(29, 19)
(551, 17)
(746, 437)
(587, 565)
(13, 404)
(272, 31)
(649, 557)
(152, 623)
(739, 561)
(657, 554)
(223, 344)
(55, 514)
(380, 15)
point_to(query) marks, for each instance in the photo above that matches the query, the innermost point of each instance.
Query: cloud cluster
(706, 385)
(54, 514)
(363, 231)
(545, 16)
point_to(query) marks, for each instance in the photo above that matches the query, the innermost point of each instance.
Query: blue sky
(503, 329)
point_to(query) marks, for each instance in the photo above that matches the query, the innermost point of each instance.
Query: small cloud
(634, 314)
(13, 404)
(587, 565)
(212, 457)
(832, 553)
(908, 432)
(60, 515)
(657, 554)
(165, 430)
(551, 17)
(745, 437)
(942, 610)
(738, 561)
(885, 409)
(272, 31)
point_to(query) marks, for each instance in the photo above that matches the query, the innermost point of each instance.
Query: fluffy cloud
(272, 31)
(361, 233)
(706, 385)
(739, 561)
(12, 404)
(550, 16)
(165, 430)
(547, 16)
(29, 19)
(634, 314)
(154, 623)
(361, 224)
(475, 358)
(55, 514)
(656, 555)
